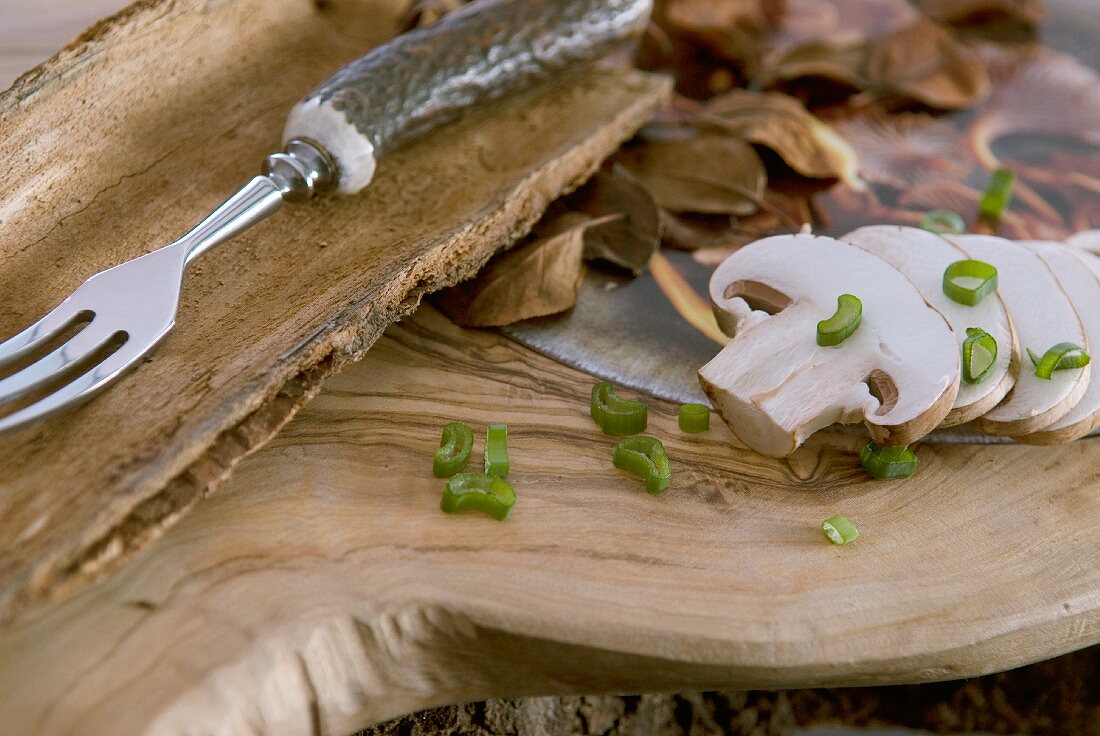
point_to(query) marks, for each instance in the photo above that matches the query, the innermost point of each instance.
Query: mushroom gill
(1036, 91)
(906, 150)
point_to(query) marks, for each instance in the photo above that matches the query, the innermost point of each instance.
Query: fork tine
(60, 317)
(81, 389)
(48, 367)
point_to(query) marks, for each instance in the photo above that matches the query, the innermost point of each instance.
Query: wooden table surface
(33, 30)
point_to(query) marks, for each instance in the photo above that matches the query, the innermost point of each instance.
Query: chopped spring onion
(997, 195)
(943, 221)
(968, 282)
(845, 321)
(496, 450)
(454, 450)
(979, 354)
(839, 530)
(478, 492)
(617, 416)
(1063, 356)
(644, 456)
(882, 461)
(694, 418)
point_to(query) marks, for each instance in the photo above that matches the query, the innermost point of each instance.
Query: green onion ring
(694, 418)
(943, 222)
(839, 530)
(969, 294)
(478, 492)
(978, 346)
(1061, 357)
(997, 195)
(617, 416)
(887, 462)
(496, 450)
(644, 456)
(845, 321)
(454, 450)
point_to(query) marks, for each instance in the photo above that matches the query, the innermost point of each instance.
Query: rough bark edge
(352, 334)
(83, 46)
(1049, 697)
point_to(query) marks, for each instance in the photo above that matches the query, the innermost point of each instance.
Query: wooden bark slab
(322, 588)
(126, 138)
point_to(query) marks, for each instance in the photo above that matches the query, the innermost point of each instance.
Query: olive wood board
(322, 589)
(144, 124)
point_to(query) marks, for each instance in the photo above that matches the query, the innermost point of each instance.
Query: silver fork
(399, 91)
(136, 301)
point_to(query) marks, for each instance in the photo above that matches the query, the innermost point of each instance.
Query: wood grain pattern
(126, 138)
(31, 31)
(321, 588)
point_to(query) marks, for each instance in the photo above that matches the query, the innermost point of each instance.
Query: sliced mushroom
(922, 257)
(1083, 287)
(774, 386)
(1087, 241)
(1042, 315)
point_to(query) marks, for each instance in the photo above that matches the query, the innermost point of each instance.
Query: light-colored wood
(321, 588)
(126, 138)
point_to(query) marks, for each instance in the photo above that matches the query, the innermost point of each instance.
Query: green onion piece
(881, 461)
(478, 492)
(944, 222)
(454, 450)
(694, 418)
(839, 530)
(845, 321)
(979, 354)
(617, 416)
(968, 282)
(1061, 357)
(644, 456)
(998, 195)
(496, 450)
(1068, 361)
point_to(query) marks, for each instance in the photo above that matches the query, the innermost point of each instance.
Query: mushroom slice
(1087, 241)
(775, 386)
(1080, 282)
(1042, 315)
(922, 257)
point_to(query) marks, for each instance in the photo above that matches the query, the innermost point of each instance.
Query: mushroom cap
(775, 386)
(1087, 241)
(1032, 88)
(1077, 272)
(922, 257)
(1042, 315)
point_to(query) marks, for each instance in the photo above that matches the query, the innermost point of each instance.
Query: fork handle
(430, 76)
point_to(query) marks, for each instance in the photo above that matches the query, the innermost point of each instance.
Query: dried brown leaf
(423, 13)
(1028, 12)
(730, 29)
(697, 232)
(629, 229)
(923, 62)
(707, 173)
(784, 125)
(839, 24)
(883, 46)
(535, 279)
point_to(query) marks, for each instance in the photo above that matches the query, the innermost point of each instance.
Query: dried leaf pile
(829, 112)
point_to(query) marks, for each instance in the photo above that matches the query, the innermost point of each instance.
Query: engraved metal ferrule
(301, 171)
